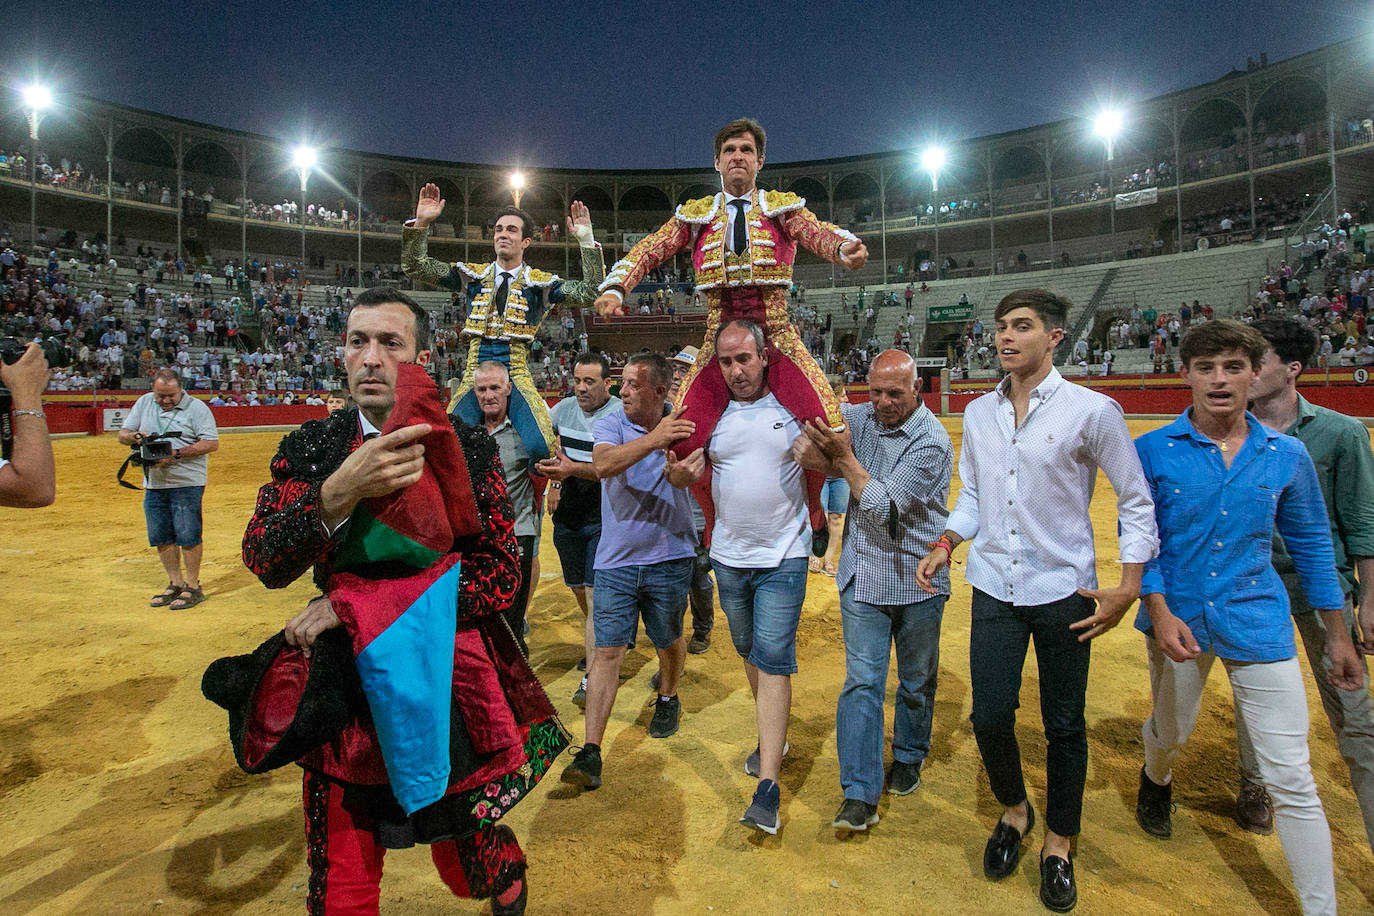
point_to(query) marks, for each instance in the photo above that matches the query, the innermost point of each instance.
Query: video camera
(11, 349)
(146, 452)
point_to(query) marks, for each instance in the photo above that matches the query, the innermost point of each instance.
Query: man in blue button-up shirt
(1222, 484)
(898, 461)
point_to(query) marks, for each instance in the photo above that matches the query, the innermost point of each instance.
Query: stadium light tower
(304, 158)
(1107, 125)
(932, 160)
(517, 186)
(37, 99)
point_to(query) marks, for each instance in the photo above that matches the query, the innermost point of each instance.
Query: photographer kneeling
(27, 477)
(168, 418)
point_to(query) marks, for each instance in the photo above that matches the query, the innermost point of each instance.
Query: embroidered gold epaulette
(701, 210)
(535, 277)
(473, 271)
(774, 202)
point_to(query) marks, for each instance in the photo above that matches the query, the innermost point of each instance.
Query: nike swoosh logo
(780, 424)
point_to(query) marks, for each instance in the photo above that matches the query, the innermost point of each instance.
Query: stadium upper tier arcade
(1253, 148)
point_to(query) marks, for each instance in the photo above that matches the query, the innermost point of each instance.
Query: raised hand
(853, 255)
(429, 206)
(684, 472)
(580, 223)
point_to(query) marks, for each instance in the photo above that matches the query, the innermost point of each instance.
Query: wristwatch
(176, 454)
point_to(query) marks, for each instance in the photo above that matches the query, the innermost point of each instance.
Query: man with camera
(27, 476)
(173, 432)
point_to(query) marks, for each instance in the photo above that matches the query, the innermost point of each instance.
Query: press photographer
(27, 476)
(170, 422)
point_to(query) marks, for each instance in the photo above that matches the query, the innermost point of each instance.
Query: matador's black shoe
(1057, 889)
(1003, 852)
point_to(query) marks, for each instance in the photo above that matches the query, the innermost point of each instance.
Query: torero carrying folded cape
(403, 514)
(506, 300)
(743, 243)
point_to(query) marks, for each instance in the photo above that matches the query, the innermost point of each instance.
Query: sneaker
(1254, 809)
(903, 778)
(699, 643)
(656, 680)
(1153, 806)
(582, 665)
(585, 769)
(666, 713)
(855, 816)
(763, 810)
(580, 695)
(751, 763)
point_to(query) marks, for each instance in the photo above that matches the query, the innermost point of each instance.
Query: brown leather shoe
(1254, 810)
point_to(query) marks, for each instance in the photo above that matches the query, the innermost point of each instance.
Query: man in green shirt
(1339, 446)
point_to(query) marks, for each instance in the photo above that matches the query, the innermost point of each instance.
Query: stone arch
(644, 207)
(145, 146)
(65, 132)
(1292, 103)
(856, 199)
(813, 190)
(694, 191)
(387, 194)
(210, 166)
(1209, 122)
(597, 199)
(1020, 164)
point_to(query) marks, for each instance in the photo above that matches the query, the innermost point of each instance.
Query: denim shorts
(835, 495)
(173, 516)
(656, 592)
(577, 553)
(763, 607)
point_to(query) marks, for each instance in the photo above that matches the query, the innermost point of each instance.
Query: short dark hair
(1213, 337)
(755, 331)
(590, 358)
(741, 126)
(386, 295)
(526, 221)
(660, 373)
(1051, 308)
(1293, 342)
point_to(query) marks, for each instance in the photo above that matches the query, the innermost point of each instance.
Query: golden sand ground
(118, 792)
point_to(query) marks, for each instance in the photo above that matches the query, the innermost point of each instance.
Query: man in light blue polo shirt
(1222, 485)
(646, 554)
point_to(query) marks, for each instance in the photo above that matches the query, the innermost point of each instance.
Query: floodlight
(304, 157)
(517, 180)
(1108, 124)
(933, 159)
(37, 97)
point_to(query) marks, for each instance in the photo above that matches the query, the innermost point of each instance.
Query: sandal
(169, 594)
(813, 564)
(831, 569)
(190, 597)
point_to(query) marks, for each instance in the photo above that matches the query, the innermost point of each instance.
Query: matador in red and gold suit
(743, 243)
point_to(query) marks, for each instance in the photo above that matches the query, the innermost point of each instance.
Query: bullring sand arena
(119, 793)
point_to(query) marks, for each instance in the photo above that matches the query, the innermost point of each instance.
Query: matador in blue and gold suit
(505, 337)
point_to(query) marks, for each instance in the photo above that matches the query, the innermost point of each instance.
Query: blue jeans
(763, 607)
(657, 592)
(870, 630)
(173, 516)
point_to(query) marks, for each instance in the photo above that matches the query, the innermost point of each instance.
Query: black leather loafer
(1003, 852)
(1057, 890)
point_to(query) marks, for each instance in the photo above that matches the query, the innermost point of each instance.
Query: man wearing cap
(702, 594)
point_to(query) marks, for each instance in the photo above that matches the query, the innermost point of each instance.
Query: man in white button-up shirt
(1030, 456)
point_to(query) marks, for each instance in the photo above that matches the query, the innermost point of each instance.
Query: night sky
(643, 84)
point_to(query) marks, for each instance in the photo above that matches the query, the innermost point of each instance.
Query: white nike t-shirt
(760, 497)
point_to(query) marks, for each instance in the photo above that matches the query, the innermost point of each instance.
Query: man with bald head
(897, 459)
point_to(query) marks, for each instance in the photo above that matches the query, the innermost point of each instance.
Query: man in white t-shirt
(759, 545)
